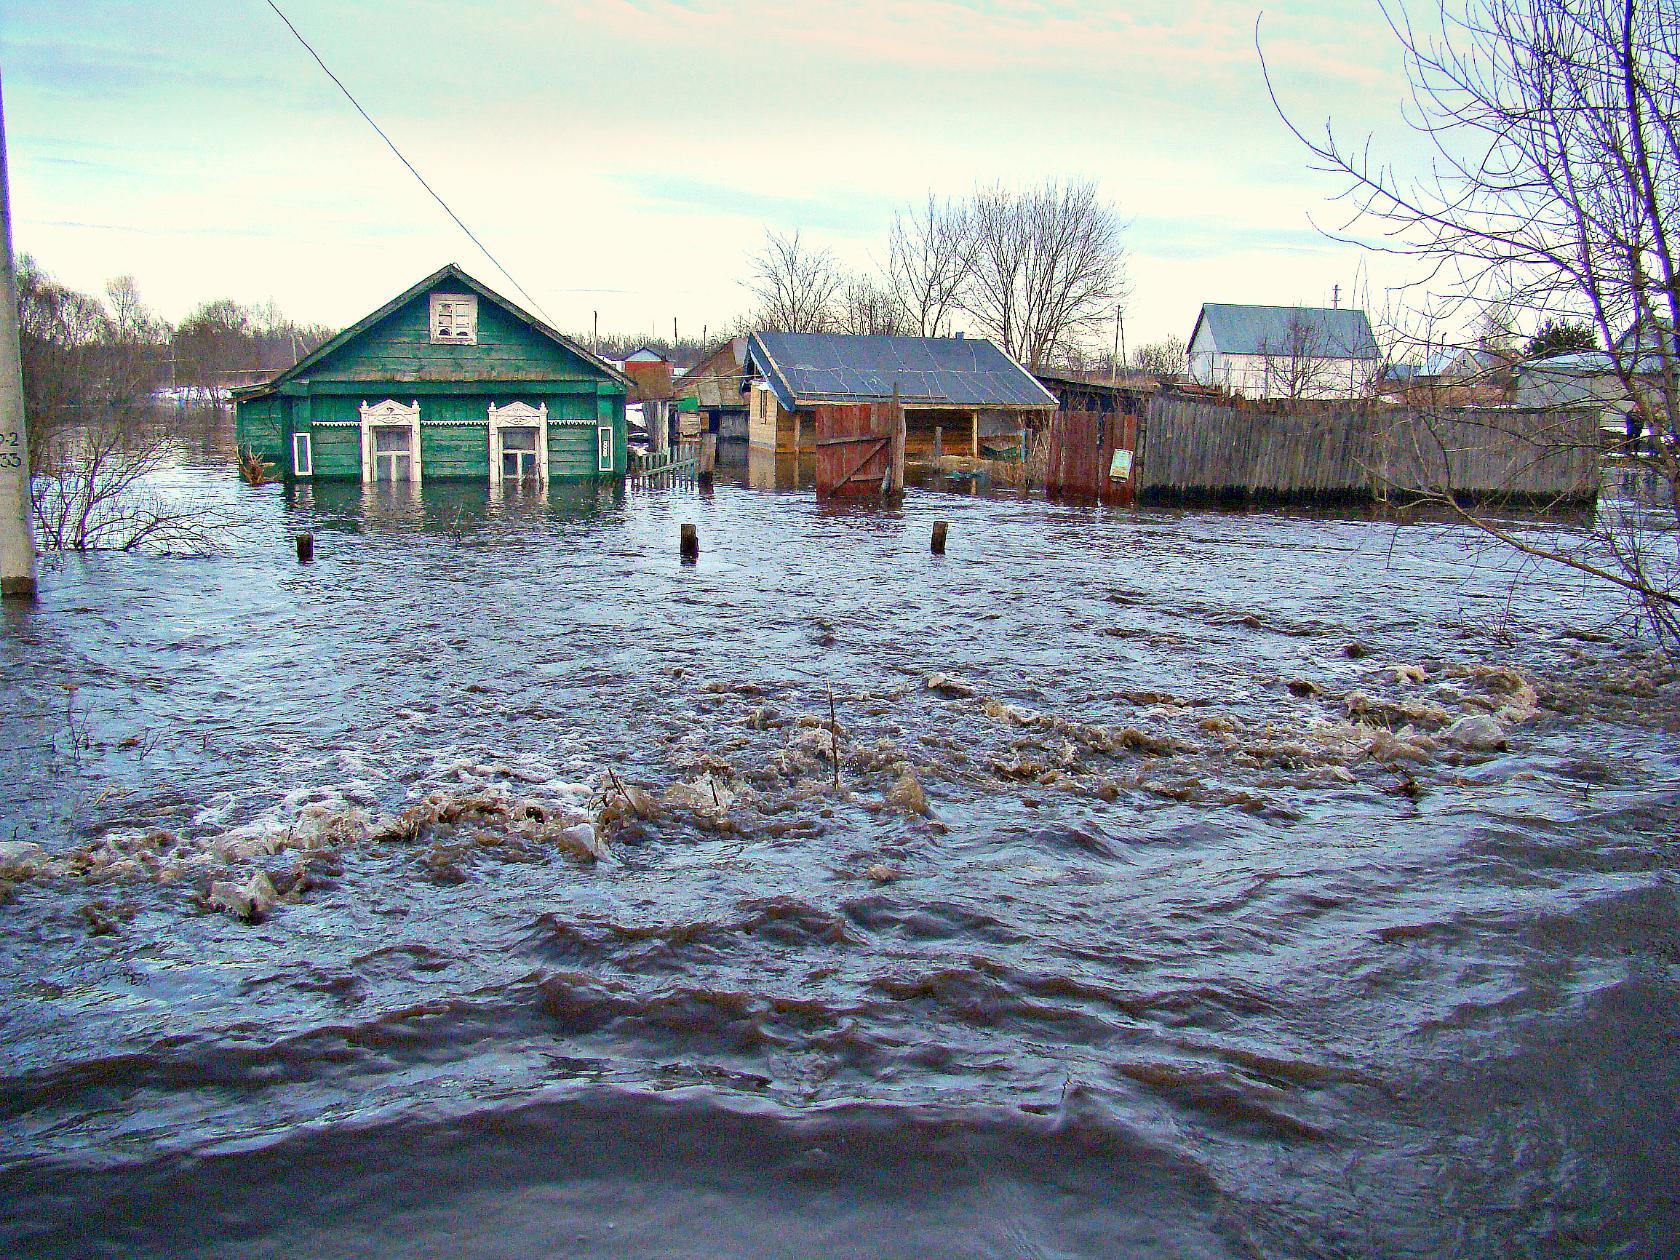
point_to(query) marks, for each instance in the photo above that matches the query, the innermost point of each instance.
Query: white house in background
(1284, 351)
(1591, 378)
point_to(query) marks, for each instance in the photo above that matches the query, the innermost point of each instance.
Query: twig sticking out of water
(833, 737)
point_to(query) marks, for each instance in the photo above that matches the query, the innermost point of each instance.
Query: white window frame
(518, 415)
(303, 455)
(453, 319)
(604, 448)
(387, 414)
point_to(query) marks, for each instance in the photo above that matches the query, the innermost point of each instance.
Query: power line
(391, 144)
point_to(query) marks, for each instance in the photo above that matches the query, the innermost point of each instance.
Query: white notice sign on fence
(1121, 468)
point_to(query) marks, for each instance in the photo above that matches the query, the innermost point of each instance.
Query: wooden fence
(860, 448)
(1196, 450)
(1081, 455)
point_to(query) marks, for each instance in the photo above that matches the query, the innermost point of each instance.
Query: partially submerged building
(964, 387)
(1284, 351)
(652, 375)
(446, 380)
(712, 391)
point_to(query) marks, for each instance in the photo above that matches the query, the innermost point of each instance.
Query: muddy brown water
(1231, 984)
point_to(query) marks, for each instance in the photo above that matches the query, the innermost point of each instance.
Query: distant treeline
(80, 351)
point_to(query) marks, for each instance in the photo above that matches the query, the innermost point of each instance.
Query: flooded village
(901, 773)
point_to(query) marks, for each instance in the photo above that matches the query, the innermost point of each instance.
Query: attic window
(454, 318)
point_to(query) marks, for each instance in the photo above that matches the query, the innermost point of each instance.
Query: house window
(605, 436)
(303, 462)
(393, 454)
(454, 319)
(519, 455)
(518, 443)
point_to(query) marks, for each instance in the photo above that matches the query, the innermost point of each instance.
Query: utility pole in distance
(17, 540)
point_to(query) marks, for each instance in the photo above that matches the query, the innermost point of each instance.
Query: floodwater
(1211, 941)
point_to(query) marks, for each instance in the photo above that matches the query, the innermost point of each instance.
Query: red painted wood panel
(854, 447)
(1081, 455)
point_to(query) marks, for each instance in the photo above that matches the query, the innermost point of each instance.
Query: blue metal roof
(1595, 363)
(806, 369)
(1332, 333)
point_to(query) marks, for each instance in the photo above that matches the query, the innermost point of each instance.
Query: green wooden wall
(454, 385)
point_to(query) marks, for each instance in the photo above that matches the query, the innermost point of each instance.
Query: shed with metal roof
(964, 386)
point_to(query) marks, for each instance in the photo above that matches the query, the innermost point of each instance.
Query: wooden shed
(966, 389)
(446, 380)
(711, 389)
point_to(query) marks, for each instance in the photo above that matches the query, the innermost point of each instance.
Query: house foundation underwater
(448, 380)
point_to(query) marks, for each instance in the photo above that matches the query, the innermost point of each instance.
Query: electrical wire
(391, 144)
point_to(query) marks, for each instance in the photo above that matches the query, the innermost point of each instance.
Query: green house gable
(447, 380)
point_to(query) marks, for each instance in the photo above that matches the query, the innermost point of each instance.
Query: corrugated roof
(1333, 333)
(1595, 363)
(805, 369)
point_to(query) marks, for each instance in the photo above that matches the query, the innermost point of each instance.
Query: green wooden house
(448, 380)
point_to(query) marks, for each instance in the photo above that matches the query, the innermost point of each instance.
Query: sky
(625, 157)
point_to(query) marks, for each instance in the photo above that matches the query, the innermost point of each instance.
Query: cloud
(676, 193)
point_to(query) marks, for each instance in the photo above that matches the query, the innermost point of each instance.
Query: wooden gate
(1092, 455)
(860, 449)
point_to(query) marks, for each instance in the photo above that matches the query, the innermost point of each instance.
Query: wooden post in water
(305, 548)
(895, 459)
(17, 539)
(939, 528)
(690, 545)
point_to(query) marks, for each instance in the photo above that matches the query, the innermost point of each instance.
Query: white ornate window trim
(518, 415)
(387, 414)
(604, 448)
(454, 319)
(303, 456)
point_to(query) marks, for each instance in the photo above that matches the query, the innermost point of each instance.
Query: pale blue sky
(626, 156)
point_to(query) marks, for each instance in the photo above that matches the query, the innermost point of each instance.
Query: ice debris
(249, 901)
(1478, 732)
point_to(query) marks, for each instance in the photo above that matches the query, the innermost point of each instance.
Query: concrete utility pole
(17, 540)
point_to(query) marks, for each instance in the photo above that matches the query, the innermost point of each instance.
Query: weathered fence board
(859, 448)
(1193, 449)
(1081, 449)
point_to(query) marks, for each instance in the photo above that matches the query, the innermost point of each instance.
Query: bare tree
(90, 492)
(1553, 185)
(1046, 267)
(796, 286)
(1305, 364)
(867, 307)
(929, 258)
(1163, 358)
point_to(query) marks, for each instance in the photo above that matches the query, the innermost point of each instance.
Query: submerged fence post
(305, 548)
(939, 538)
(690, 545)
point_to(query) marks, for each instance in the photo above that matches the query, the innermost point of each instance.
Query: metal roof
(806, 369)
(1335, 333)
(1595, 363)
